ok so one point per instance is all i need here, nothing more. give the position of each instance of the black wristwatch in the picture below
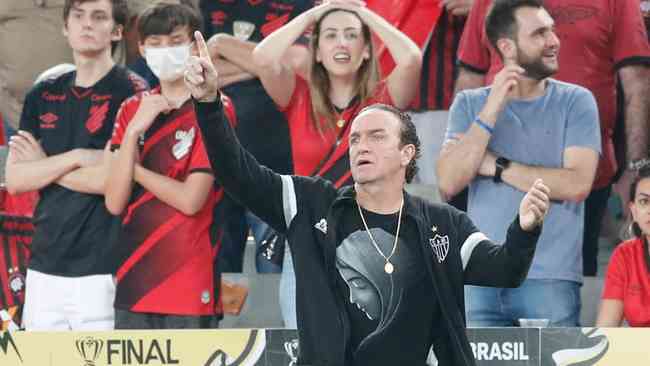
(501, 164)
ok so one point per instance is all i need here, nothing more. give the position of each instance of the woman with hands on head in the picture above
(343, 76)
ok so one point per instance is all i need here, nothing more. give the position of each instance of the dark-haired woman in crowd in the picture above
(627, 285)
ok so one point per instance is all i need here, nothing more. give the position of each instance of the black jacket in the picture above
(307, 209)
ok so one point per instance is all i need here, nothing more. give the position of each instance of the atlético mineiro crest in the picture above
(440, 246)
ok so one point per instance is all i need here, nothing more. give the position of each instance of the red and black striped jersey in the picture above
(166, 256)
(440, 67)
(15, 238)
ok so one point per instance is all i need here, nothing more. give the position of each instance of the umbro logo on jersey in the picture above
(48, 120)
(322, 226)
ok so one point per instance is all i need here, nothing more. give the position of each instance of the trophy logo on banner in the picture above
(89, 349)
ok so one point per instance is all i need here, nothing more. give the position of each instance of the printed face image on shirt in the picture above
(372, 290)
(362, 292)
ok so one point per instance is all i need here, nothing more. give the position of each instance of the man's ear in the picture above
(508, 48)
(408, 154)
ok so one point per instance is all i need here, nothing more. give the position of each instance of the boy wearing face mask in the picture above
(161, 183)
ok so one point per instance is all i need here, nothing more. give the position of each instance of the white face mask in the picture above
(167, 63)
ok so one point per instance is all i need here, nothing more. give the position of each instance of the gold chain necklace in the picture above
(388, 267)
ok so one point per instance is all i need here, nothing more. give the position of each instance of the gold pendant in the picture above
(340, 123)
(388, 268)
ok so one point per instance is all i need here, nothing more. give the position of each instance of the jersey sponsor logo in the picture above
(281, 6)
(440, 246)
(273, 23)
(53, 97)
(218, 18)
(570, 14)
(97, 116)
(185, 140)
(48, 120)
(100, 98)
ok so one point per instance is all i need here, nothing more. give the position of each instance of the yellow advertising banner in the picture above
(174, 347)
(248, 347)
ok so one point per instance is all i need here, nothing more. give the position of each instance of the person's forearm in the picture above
(171, 191)
(610, 313)
(459, 164)
(34, 175)
(636, 90)
(85, 180)
(509, 262)
(227, 68)
(229, 73)
(235, 51)
(119, 180)
(237, 63)
(268, 54)
(403, 50)
(565, 184)
(233, 79)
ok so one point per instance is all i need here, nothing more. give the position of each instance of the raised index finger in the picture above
(201, 45)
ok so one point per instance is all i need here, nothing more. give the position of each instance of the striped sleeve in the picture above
(486, 263)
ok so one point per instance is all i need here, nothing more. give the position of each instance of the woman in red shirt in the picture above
(627, 284)
(343, 77)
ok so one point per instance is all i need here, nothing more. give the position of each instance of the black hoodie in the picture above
(307, 210)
